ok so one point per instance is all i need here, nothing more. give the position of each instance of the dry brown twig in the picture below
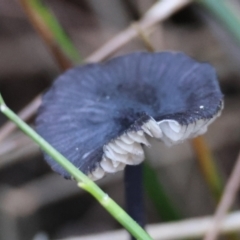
(24, 114)
(226, 202)
(184, 229)
(159, 12)
(46, 35)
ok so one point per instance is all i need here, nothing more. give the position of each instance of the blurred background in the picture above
(40, 39)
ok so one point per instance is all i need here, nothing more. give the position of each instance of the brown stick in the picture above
(26, 113)
(185, 229)
(226, 202)
(46, 34)
(157, 13)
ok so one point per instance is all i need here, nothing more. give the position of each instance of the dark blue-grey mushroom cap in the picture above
(100, 115)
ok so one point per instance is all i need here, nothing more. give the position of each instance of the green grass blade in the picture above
(49, 21)
(222, 10)
(1, 101)
(158, 195)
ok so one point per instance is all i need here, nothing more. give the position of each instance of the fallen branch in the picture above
(157, 13)
(192, 228)
(26, 113)
(226, 202)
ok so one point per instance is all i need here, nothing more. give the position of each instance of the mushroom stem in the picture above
(133, 181)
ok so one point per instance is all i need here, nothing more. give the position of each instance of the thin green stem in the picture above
(56, 29)
(158, 195)
(83, 181)
(51, 31)
(1, 100)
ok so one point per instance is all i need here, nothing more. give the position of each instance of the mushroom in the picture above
(100, 116)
